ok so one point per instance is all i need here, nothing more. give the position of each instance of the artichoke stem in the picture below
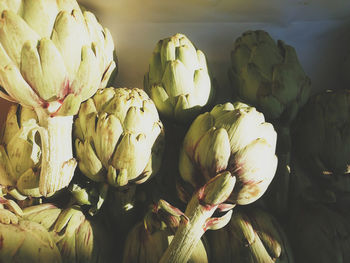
(57, 164)
(187, 235)
(198, 211)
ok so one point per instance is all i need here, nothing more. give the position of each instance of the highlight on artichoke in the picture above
(178, 80)
(252, 235)
(53, 56)
(318, 233)
(234, 138)
(119, 137)
(321, 140)
(78, 238)
(148, 240)
(268, 75)
(25, 241)
(20, 154)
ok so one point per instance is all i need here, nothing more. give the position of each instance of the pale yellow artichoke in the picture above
(78, 238)
(53, 56)
(119, 137)
(178, 80)
(20, 154)
(24, 241)
(233, 138)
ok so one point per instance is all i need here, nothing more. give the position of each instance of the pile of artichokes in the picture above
(94, 173)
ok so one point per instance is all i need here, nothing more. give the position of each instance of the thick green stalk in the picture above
(57, 164)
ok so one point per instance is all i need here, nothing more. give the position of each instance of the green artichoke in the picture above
(148, 240)
(53, 56)
(322, 140)
(268, 75)
(252, 236)
(78, 238)
(233, 138)
(178, 81)
(319, 235)
(119, 137)
(20, 154)
(23, 241)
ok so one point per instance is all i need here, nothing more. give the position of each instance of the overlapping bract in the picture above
(119, 137)
(20, 154)
(52, 55)
(322, 139)
(178, 81)
(78, 238)
(252, 236)
(25, 241)
(268, 75)
(232, 137)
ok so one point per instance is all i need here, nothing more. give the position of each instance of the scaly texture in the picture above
(78, 238)
(178, 80)
(234, 138)
(119, 137)
(53, 56)
(268, 75)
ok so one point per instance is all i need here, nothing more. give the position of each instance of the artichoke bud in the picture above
(27, 241)
(230, 138)
(268, 75)
(118, 137)
(252, 235)
(178, 79)
(78, 238)
(21, 154)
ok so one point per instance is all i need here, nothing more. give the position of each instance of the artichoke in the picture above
(53, 56)
(178, 81)
(322, 140)
(148, 240)
(25, 241)
(119, 137)
(252, 236)
(20, 154)
(268, 75)
(78, 238)
(233, 138)
(319, 234)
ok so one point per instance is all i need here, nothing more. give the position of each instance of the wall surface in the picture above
(318, 29)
